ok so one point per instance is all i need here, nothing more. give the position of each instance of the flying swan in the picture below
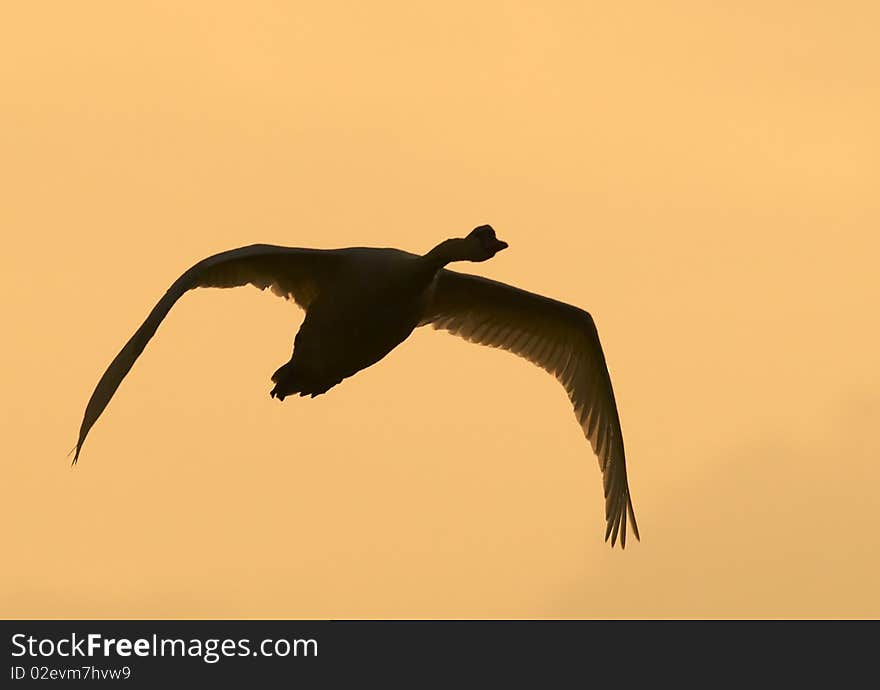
(362, 302)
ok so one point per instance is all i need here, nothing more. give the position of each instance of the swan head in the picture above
(483, 244)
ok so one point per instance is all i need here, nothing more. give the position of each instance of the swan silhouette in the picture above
(361, 302)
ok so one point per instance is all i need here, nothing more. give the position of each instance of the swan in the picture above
(362, 302)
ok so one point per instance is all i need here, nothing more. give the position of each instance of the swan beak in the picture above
(498, 245)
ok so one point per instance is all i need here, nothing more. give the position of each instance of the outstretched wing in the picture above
(562, 340)
(297, 274)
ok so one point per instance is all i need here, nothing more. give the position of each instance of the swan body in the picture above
(362, 302)
(355, 322)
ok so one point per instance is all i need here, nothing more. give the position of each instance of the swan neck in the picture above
(446, 252)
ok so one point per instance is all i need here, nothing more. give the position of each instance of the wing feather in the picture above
(560, 339)
(289, 272)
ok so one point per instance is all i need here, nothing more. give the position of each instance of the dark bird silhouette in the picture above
(362, 302)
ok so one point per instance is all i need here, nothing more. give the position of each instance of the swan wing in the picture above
(562, 340)
(297, 274)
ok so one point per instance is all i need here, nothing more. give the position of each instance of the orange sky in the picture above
(702, 180)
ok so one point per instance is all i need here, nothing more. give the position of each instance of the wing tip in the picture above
(616, 524)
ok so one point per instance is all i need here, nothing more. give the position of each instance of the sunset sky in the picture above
(701, 177)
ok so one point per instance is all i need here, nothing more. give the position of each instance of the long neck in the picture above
(445, 252)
